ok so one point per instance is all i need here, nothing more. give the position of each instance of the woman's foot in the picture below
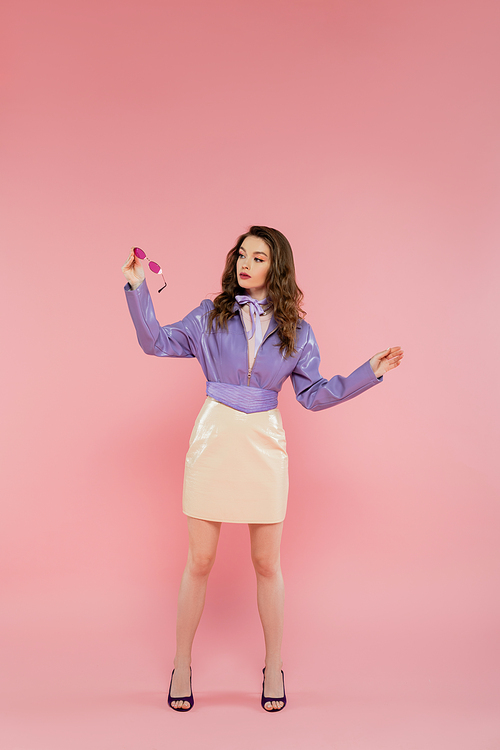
(274, 688)
(181, 686)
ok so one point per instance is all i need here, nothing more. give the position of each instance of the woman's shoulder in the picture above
(303, 328)
(197, 316)
(205, 306)
(304, 334)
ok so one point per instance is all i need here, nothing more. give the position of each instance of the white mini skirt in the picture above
(236, 466)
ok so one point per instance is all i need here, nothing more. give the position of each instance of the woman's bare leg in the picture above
(265, 543)
(203, 538)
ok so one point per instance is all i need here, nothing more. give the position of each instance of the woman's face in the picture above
(252, 267)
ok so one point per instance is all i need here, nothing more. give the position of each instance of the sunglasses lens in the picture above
(139, 253)
(154, 267)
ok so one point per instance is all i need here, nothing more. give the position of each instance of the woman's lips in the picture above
(244, 276)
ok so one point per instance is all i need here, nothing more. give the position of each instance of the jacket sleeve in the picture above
(176, 340)
(317, 393)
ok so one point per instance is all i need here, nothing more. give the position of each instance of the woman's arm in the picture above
(317, 393)
(176, 340)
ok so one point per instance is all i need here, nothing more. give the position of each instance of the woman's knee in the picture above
(266, 565)
(200, 564)
(203, 538)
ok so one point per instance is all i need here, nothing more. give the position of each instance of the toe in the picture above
(273, 705)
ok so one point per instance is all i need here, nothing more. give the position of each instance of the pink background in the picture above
(368, 133)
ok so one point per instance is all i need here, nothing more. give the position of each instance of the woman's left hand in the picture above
(385, 361)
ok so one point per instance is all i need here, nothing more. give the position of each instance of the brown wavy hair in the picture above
(283, 292)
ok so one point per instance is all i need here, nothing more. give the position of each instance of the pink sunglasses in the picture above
(153, 266)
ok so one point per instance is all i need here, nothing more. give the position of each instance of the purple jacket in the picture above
(223, 356)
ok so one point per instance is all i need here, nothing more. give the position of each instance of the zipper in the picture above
(249, 369)
(269, 333)
(258, 350)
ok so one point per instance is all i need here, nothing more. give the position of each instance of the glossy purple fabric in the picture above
(223, 355)
(243, 398)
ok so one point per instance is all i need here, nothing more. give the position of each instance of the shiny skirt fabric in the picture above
(236, 466)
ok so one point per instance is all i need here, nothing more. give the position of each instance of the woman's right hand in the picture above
(133, 270)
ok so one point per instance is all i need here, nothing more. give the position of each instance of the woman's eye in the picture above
(243, 257)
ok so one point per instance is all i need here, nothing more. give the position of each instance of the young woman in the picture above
(248, 341)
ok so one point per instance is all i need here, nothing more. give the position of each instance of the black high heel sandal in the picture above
(264, 700)
(188, 698)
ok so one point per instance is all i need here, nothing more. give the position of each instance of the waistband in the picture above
(243, 397)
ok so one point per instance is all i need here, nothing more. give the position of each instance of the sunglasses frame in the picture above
(149, 264)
